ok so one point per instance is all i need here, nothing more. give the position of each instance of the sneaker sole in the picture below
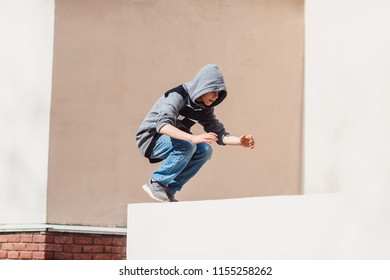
(149, 192)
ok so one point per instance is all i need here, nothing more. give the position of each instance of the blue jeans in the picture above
(182, 160)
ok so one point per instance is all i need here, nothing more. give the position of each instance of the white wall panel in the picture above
(347, 95)
(26, 54)
(321, 226)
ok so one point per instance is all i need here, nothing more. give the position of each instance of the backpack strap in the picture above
(179, 89)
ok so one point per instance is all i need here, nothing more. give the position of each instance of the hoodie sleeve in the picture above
(168, 110)
(211, 124)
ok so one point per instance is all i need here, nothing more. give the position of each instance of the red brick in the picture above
(39, 255)
(59, 239)
(4, 238)
(118, 250)
(3, 255)
(119, 241)
(39, 239)
(101, 257)
(14, 238)
(68, 248)
(63, 246)
(49, 255)
(53, 247)
(108, 249)
(102, 240)
(19, 246)
(43, 255)
(83, 240)
(77, 248)
(82, 256)
(93, 249)
(49, 238)
(73, 248)
(63, 256)
(13, 255)
(26, 238)
(32, 247)
(7, 247)
(118, 257)
(63, 239)
(69, 240)
(26, 255)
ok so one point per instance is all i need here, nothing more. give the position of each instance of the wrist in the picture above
(231, 140)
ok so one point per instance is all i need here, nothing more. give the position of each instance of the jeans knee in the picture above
(188, 147)
(205, 150)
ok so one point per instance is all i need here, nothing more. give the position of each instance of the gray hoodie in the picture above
(179, 108)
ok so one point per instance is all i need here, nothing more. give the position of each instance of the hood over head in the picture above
(208, 79)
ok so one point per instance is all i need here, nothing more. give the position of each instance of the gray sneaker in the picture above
(156, 191)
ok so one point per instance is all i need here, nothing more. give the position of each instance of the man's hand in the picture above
(247, 141)
(204, 138)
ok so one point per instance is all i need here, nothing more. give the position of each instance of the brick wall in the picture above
(54, 245)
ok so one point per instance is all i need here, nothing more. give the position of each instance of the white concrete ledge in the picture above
(61, 228)
(329, 226)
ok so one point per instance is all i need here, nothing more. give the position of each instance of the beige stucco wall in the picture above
(113, 59)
